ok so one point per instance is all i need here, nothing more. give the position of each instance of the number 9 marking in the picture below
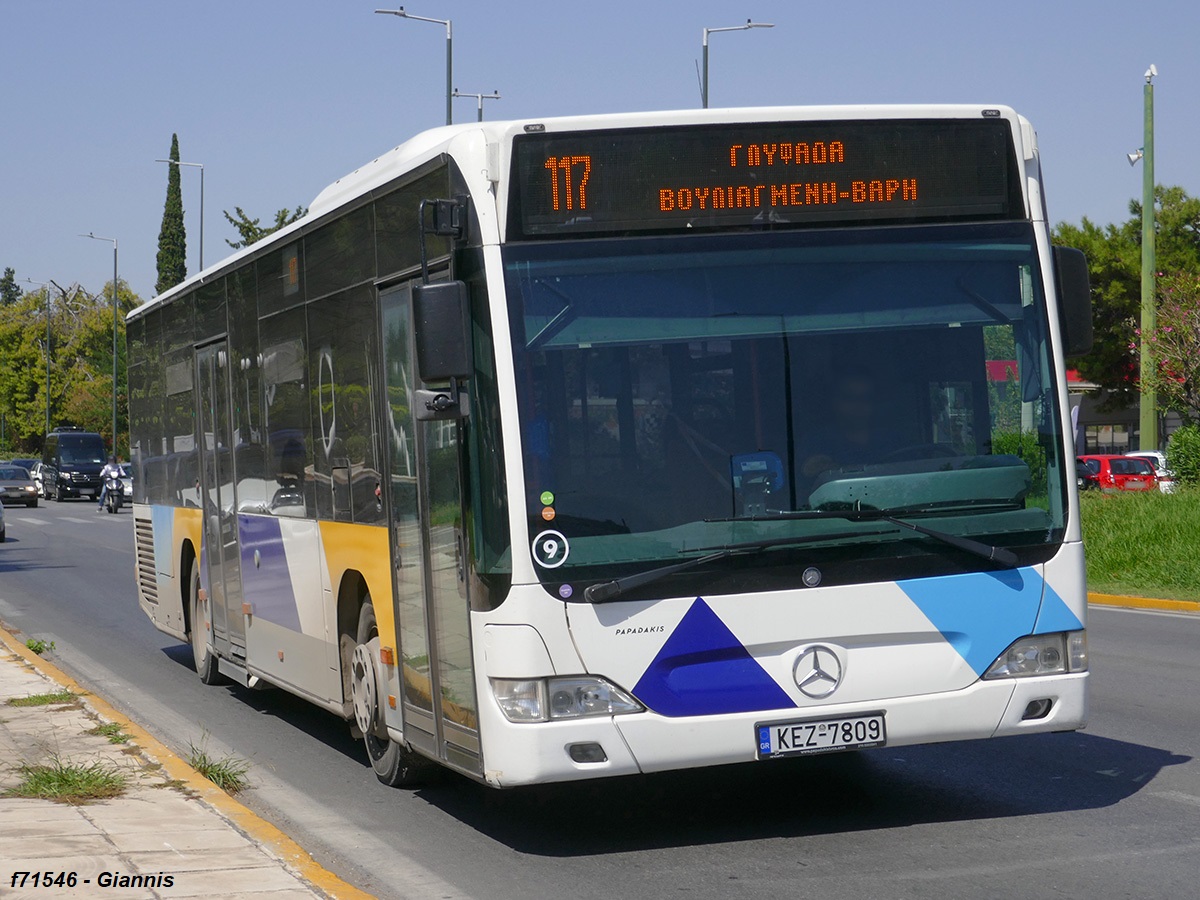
(550, 549)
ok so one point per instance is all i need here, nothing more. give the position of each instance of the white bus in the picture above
(569, 448)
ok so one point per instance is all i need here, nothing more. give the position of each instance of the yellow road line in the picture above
(252, 824)
(1143, 602)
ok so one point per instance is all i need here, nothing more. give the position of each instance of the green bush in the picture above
(1183, 454)
(1025, 445)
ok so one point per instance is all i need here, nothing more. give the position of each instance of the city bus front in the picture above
(795, 460)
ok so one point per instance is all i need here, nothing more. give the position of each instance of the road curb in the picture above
(176, 767)
(1143, 603)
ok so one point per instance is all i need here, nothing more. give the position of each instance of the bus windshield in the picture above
(683, 394)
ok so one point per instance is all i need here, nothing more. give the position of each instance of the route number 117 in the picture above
(568, 181)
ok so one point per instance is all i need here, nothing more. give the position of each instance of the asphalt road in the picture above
(1110, 812)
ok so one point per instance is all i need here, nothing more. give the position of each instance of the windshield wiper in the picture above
(989, 552)
(606, 591)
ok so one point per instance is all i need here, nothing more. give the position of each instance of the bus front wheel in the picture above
(394, 764)
(205, 659)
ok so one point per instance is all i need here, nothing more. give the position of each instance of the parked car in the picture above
(36, 474)
(16, 486)
(71, 463)
(1158, 459)
(1121, 473)
(1085, 478)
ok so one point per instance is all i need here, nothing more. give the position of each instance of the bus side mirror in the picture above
(1074, 300)
(441, 331)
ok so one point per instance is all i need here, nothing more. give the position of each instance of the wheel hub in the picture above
(364, 689)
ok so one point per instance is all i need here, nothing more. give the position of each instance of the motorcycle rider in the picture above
(112, 470)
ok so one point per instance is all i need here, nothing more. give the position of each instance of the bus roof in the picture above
(429, 144)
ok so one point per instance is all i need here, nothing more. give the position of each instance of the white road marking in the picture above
(1178, 797)
(1092, 609)
(76, 520)
(25, 521)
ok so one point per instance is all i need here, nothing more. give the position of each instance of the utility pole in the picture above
(479, 98)
(1148, 416)
(704, 52)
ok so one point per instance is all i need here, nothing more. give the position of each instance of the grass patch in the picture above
(68, 783)
(1143, 544)
(112, 731)
(63, 696)
(38, 646)
(228, 773)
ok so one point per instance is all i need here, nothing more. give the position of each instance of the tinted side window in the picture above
(254, 491)
(396, 227)
(280, 279)
(286, 415)
(342, 339)
(340, 254)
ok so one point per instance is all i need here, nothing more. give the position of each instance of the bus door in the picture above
(432, 613)
(218, 500)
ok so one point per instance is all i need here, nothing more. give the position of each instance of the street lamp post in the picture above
(96, 237)
(449, 52)
(707, 31)
(46, 286)
(494, 95)
(199, 166)
(1148, 408)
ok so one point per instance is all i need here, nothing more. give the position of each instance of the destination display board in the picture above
(665, 179)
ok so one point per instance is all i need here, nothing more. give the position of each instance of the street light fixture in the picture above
(1148, 407)
(707, 31)
(449, 52)
(494, 95)
(46, 286)
(96, 237)
(200, 166)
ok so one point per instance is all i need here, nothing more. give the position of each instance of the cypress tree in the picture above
(172, 239)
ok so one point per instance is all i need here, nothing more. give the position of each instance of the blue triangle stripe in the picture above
(980, 613)
(1055, 615)
(703, 669)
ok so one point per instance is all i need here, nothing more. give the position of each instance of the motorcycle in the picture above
(115, 496)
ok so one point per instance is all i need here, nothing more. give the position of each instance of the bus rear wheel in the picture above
(205, 659)
(394, 765)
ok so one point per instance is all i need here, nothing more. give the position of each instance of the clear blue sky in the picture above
(279, 98)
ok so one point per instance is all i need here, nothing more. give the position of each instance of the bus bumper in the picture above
(648, 742)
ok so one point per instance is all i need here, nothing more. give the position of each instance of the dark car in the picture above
(25, 462)
(16, 485)
(71, 463)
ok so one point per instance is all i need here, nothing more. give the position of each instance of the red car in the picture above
(1121, 473)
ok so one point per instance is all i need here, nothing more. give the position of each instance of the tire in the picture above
(59, 496)
(205, 660)
(3, 535)
(393, 764)
(32, 504)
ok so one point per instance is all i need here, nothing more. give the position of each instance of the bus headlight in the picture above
(1042, 654)
(541, 700)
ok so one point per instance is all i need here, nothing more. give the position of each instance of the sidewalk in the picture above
(170, 834)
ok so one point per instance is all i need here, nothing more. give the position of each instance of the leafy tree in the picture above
(1175, 345)
(10, 291)
(80, 363)
(1183, 454)
(1114, 254)
(251, 231)
(172, 238)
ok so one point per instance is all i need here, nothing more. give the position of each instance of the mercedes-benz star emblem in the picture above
(818, 671)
